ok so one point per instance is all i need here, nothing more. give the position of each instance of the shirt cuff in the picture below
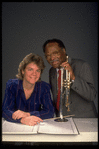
(35, 113)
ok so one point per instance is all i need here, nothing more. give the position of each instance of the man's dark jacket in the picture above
(82, 92)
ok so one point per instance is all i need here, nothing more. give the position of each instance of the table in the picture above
(88, 129)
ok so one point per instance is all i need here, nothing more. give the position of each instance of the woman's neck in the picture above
(28, 86)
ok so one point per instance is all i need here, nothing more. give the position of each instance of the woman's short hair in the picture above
(28, 59)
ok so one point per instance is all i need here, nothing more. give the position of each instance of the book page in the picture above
(47, 126)
(18, 128)
(53, 127)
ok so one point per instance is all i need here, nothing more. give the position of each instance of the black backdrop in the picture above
(27, 25)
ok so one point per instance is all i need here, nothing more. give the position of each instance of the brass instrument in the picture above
(66, 84)
(65, 91)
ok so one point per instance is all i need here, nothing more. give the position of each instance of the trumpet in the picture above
(65, 91)
(66, 85)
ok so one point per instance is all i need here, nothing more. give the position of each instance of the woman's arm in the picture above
(8, 107)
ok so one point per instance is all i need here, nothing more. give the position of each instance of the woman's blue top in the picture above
(39, 103)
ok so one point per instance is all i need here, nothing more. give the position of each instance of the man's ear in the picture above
(64, 50)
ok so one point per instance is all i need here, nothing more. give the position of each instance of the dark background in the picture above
(27, 25)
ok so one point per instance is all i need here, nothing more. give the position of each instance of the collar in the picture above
(57, 69)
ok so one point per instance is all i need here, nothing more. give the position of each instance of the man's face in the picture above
(54, 54)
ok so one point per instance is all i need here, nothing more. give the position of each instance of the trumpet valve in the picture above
(66, 84)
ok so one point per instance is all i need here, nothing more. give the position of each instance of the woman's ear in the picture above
(22, 72)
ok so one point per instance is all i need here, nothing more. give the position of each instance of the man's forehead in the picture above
(52, 47)
(52, 44)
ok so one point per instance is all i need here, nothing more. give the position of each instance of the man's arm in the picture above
(84, 83)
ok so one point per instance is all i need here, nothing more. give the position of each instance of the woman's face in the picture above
(31, 73)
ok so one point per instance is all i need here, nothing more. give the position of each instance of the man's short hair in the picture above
(60, 43)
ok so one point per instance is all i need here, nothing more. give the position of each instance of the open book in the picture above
(47, 127)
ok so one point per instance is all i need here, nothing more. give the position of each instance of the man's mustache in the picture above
(54, 60)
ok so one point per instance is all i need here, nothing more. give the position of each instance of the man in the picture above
(82, 90)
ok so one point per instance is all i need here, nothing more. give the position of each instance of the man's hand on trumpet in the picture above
(68, 67)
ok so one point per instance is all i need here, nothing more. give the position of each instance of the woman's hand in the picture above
(31, 120)
(19, 114)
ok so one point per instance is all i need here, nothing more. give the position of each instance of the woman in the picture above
(27, 99)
